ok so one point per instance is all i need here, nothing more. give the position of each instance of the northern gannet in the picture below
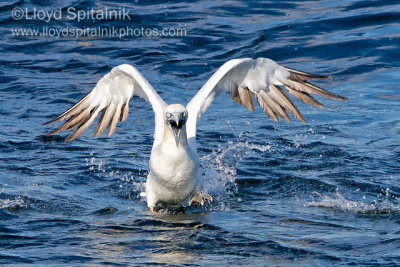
(174, 174)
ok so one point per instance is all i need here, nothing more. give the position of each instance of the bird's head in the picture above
(175, 117)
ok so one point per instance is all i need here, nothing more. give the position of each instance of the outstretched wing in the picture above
(111, 95)
(262, 78)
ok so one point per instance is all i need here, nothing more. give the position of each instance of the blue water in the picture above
(287, 194)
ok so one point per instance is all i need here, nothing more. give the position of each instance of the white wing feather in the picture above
(262, 78)
(112, 94)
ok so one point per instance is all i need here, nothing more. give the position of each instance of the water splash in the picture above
(224, 160)
(95, 163)
(16, 203)
(133, 186)
(382, 205)
(219, 169)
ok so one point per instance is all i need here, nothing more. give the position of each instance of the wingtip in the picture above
(49, 122)
(301, 75)
(323, 76)
(338, 97)
(320, 76)
(275, 119)
(52, 132)
(287, 119)
(300, 117)
(70, 138)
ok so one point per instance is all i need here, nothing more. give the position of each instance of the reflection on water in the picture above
(161, 239)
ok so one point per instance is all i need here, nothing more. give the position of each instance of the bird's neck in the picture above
(169, 139)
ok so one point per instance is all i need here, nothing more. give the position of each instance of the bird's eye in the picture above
(183, 114)
(169, 115)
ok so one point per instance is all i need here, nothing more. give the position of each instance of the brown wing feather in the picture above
(247, 99)
(84, 126)
(304, 97)
(73, 121)
(71, 111)
(297, 75)
(114, 121)
(277, 108)
(286, 102)
(267, 109)
(235, 94)
(105, 119)
(310, 88)
(124, 111)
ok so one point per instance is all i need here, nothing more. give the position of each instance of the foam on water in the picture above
(382, 205)
(7, 203)
(18, 202)
(219, 169)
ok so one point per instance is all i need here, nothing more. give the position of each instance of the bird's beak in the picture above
(177, 136)
(175, 123)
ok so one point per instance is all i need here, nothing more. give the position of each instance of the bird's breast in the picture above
(174, 166)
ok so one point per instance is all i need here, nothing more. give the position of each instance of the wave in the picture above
(339, 202)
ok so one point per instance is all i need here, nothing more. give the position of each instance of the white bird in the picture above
(174, 164)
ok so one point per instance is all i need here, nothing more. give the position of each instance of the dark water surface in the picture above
(289, 194)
